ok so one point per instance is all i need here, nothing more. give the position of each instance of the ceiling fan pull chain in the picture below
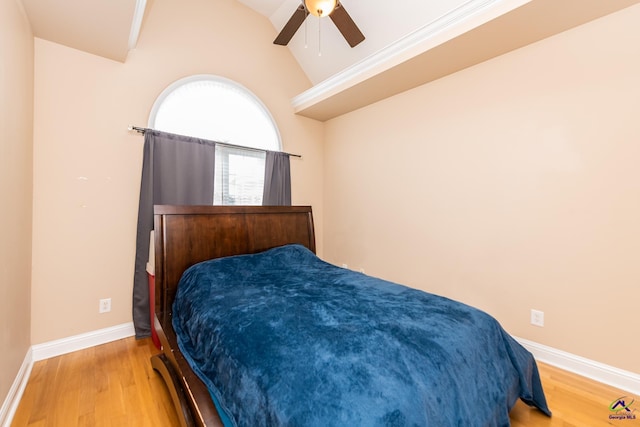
(306, 39)
(319, 37)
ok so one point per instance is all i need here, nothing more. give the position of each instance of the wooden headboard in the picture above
(186, 235)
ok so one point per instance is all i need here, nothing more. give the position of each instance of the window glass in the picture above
(239, 177)
(219, 109)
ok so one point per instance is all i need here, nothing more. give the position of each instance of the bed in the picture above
(262, 332)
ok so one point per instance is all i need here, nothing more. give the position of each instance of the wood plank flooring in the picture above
(114, 385)
(108, 385)
(575, 402)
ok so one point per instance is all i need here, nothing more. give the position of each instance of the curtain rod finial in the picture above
(136, 128)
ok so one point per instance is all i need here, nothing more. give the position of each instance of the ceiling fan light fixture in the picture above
(320, 8)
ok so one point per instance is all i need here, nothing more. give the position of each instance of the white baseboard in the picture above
(53, 349)
(82, 341)
(618, 378)
(10, 405)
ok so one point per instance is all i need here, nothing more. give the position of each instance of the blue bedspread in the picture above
(282, 338)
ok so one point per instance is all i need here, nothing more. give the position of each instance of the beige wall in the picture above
(511, 185)
(87, 166)
(514, 185)
(16, 142)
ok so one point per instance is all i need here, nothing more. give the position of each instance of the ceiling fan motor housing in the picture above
(320, 8)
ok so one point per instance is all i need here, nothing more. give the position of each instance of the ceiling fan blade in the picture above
(347, 27)
(291, 26)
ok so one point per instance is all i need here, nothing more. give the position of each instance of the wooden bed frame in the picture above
(186, 235)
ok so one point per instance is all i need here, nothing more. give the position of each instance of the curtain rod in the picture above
(224, 144)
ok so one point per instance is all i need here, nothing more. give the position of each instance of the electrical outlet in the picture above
(537, 318)
(105, 305)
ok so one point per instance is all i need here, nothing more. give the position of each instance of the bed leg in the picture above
(162, 365)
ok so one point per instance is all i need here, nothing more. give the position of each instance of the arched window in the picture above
(219, 109)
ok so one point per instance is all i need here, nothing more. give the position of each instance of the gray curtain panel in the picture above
(277, 179)
(176, 170)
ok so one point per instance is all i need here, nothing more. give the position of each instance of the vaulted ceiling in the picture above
(382, 23)
(408, 42)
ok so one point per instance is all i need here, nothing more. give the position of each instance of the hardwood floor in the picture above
(109, 385)
(114, 385)
(574, 401)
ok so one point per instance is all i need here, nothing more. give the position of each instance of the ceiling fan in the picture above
(321, 8)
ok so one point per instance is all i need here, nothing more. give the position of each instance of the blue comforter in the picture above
(282, 338)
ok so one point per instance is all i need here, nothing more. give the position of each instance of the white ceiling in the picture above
(382, 22)
(408, 42)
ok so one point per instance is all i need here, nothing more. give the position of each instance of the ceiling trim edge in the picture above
(458, 21)
(136, 23)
